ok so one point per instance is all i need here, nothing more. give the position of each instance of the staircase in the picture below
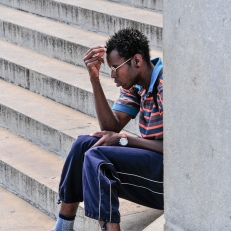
(46, 100)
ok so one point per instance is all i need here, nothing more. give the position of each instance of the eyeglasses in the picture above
(115, 68)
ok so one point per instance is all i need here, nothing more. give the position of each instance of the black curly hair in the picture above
(129, 42)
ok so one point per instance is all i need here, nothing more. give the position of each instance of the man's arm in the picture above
(108, 120)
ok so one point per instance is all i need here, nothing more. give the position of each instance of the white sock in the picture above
(64, 225)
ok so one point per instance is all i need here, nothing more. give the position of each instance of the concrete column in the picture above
(197, 95)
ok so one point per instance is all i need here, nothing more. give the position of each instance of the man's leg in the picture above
(112, 172)
(70, 187)
(66, 217)
(69, 209)
(110, 226)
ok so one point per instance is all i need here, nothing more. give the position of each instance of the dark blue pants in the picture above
(102, 174)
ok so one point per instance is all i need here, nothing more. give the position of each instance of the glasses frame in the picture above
(115, 68)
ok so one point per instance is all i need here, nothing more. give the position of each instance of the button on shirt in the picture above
(138, 99)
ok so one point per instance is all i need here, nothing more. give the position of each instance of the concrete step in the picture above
(16, 214)
(100, 16)
(33, 174)
(50, 38)
(56, 80)
(59, 81)
(156, 5)
(44, 122)
(157, 225)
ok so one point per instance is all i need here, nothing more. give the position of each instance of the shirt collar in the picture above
(158, 65)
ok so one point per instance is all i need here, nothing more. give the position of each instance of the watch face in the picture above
(123, 141)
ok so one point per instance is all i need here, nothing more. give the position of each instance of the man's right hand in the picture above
(93, 60)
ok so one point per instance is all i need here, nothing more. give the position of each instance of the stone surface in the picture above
(44, 122)
(13, 211)
(53, 39)
(33, 174)
(25, 167)
(139, 221)
(100, 16)
(48, 37)
(154, 5)
(157, 225)
(197, 55)
(56, 80)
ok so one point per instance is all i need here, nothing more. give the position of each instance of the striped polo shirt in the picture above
(138, 99)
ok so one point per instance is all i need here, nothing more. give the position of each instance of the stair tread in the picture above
(30, 159)
(70, 74)
(47, 112)
(16, 214)
(55, 76)
(57, 116)
(157, 225)
(50, 27)
(54, 68)
(57, 29)
(119, 10)
(43, 166)
(156, 5)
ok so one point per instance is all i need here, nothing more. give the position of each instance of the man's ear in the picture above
(138, 59)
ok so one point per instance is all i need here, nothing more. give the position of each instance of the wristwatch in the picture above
(123, 140)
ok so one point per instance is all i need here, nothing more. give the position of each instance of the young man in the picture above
(106, 165)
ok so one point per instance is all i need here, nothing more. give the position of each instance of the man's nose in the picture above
(113, 74)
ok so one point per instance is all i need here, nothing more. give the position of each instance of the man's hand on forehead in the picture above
(97, 51)
(100, 54)
(93, 60)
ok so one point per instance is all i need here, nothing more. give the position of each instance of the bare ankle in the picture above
(69, 209)
(110, 226)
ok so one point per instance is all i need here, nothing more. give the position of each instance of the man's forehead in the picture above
(113, 56)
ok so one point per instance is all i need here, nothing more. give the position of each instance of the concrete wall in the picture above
(197, 94)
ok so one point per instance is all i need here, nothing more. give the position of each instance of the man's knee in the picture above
(93, 153)
(82, 144)
(94, 158)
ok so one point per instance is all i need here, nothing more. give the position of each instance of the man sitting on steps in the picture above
(106, 165)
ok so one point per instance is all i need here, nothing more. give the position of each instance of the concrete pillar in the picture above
(197, 95)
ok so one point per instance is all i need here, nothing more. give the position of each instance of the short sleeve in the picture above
(128, 102)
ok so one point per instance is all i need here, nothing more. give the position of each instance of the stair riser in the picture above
(27, 188)
(38, 133)
(87, 19)
(49, 87)
(154, 5)
(46, 44)
(39, 195)
(61, 92)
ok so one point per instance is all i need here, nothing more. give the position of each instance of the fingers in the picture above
(93, 48)
(101, 133)
(101, 140)
(92, 64)
(98, 143)
(93, 61)
(95, 52)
